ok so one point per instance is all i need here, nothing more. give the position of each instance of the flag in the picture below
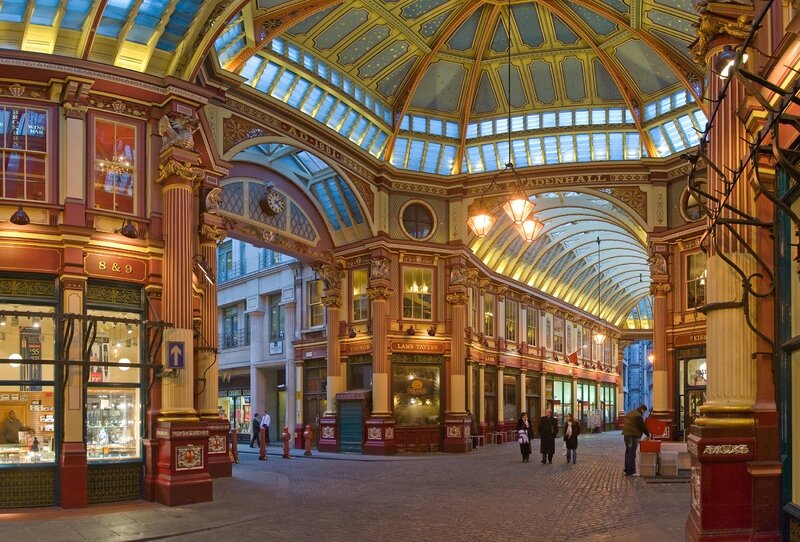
(573, 358)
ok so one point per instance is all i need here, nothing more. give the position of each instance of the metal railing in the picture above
(233, 340)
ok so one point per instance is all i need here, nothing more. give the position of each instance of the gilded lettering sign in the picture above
(427, 348)
(102, 264)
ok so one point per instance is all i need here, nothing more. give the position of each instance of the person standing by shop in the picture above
(11, 428)
(524, 436)
(571, 431)
(255, 425)
(632, 431)
(265, 421)
(548, 429)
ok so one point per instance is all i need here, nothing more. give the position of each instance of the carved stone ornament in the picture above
(332, 301)
(177, 130)
(379, 268)
(660, 288)
(331, 276)
(658, 265)
(213, 232)
(74, 110)
(173, 168)
(214, 201)
(712, 26)
(379, 292)
(16, 90)
(457, 299)
(458, 275)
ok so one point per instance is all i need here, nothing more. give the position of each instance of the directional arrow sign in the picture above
(175, 350)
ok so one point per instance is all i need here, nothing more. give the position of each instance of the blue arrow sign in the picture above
(175, 350)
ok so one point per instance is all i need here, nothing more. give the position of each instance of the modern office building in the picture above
(485, 203)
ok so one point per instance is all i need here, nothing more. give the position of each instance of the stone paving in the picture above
(485, 495)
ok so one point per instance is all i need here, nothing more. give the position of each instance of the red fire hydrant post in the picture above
(285, 438)
(262, 452)
(308, 436)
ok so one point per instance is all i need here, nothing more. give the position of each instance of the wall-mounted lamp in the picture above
(129, 328)
(726, 61)
(203, 267)
(432, 331)
(3, 320)
(14, 356)
(651, 358)
(20, 217)
(37, 322)
(123, 364)
(411, 331)
(352, 333)
(129, 230)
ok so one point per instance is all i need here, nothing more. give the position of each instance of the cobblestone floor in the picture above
(485, 495)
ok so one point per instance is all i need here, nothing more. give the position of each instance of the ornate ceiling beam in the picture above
(682, 68)
(631, 98)
(89, 30)
(124, 57)
(587, 286)
(406, 93)
(472, 84)
(273, 23)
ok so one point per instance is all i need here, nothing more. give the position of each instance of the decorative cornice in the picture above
(457, 299)
(120, 107)
(173, 168)
(419, 188)
(379, 292)
(660, 288)
(74, 110)
(213, 233)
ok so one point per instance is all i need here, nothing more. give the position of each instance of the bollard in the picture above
(234, 451)
(308, 435)
(262, 452)
(285, 437)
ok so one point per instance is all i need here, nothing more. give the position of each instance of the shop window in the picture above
(359, 373)
(510, 397)
(115, 166)
(512, 310)
(695, 280)
(23, 153)
(488, 314)
(27, 405)
(531, 315)
(113, 401)
(416, 394)
(360, 299)
(417, 293)
(316, 310)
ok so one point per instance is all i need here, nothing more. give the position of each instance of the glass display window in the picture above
(416, 391)
(510, 397)
(115, 166)
(27, 335)
(116, 345)
(113, 426)
(23, 153)
(27, 425)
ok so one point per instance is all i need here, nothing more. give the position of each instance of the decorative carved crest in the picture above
(177, 130)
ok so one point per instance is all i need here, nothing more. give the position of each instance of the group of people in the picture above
(547, 428)
(548, 431)
(257, 423)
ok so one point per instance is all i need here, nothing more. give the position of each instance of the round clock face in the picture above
(272, 203)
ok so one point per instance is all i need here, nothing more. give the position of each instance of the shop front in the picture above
(588, 414)
(608, 405)
(558, 397)
(233, 403)
(691, 386)
(417, 399)
(533, 396)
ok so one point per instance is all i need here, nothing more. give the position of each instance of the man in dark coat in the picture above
(632, 430)
(548, 429)
(255, 428)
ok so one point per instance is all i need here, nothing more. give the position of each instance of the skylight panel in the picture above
(322, 69)
(616, 146)
(309, 62)
(358, 131)
(665, 105)
(405, 123)
(489, 157)
(565, 118)
(629, 117)
(44, 12)
(583, 147)
(372, 131)
(349, 122)
(520, 154)
(567, 145)
(633, 146)
(448, 160)
(358, 94)
(379, 143)
(551, 149)
(268, 77)
(298, 93)
(311, 162)
(337, 116)
(598, 116)
(431, 157)
(436, 127)
(451, 129)
(615, 115)
(533, 121)
(688, 130)
(549, 120)
(418, 124)
(650, 111)
(313, 99)
(472, 130)
(501, 126)
(279, 46)
(347, 85)
(74, 15)
(502, 152)
(486, 128)
(582, 117)
(474, 157)
(535, 151)
(415, 154)
(662, 147)
(675, 139)
(251, 67)
(517, 123)
(680, 99)
(700, 119)
(284, 83)
(325, 109)
(599, 148)
(293, 53)
(399, 153)
(114, 16)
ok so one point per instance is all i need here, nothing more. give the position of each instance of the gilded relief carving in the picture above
(185, 171)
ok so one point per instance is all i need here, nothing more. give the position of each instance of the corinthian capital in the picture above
(332, 301)
(379, 292)
(212, 232)
(173, 168)
(456, 299)
(662, 288)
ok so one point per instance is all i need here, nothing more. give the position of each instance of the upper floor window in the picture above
(225, 261)
(417, 293)
(512, 308)
(417, 221)
(230, 327)
(531, 315)
(360, 299)
(23, 153)
(276, 319)
(316, 310)
(558, 335)
(488, 314)
(114, 166)
(695, 280)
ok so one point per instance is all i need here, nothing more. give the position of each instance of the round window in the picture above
(417, 221)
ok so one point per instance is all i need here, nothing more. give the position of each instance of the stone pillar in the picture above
(455, 420)
(183, 475)
(575, 399)
(660, 288)
(542, 395)
(523, 391)
(736, 437)
(481, 399)
(219, 461)
(380, 425)
(332, 299)
(293, 383)
(74, 491)
(501, 416)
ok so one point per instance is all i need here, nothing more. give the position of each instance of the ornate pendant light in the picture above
(518, 208)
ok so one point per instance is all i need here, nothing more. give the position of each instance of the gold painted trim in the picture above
(724, 422)
(708, 408)
(178, 419)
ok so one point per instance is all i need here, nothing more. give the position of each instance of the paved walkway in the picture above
(485, 495)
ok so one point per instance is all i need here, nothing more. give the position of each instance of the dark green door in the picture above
(351, 427)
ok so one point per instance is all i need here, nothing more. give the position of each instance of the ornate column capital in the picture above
(184, 171)
(379, 268)
(660, 288)
(212, 233)
(332, 301)
(379, 292)
(75, 110)
(733, 23)
(457, 298)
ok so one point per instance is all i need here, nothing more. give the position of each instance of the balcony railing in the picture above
(233, 340)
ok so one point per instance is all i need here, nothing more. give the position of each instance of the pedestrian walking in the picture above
(632, 431)
(524, 436)
(571, 431)
(265, 422)
(255, 424)
(473, 429)
(548, 429)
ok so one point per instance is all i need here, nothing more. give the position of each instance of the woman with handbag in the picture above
(571, 431)
(524, 436)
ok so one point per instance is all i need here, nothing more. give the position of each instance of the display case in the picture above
(112, 424)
